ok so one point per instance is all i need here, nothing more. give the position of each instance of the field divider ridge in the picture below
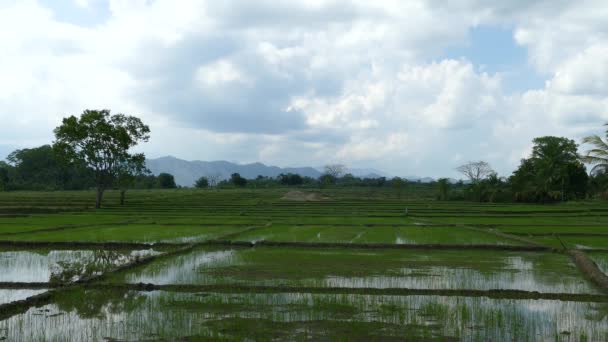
(231, 288)
(320, 245)
(589, 268)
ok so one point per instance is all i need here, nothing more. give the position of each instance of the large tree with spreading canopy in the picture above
(102, 141)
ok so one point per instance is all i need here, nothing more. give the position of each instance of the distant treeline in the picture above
(552, 173)
(517, 188)
(40, 169)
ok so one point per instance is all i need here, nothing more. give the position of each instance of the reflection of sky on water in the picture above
(31, 266)
(424, 271)
(181, 269)
(136, 316)
(10, 295)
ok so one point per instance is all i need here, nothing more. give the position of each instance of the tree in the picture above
(202, 183)
(475, 171)
(166, 181)
(101, 142)
(331, 174)
(398, 183)
(4, 178)
(551, 156)
(214, 179)
(443, 189)
(598, 155)
(290, 179)
(335, 170)
(551, 173)
(36, 168)
(237, 180)
(127, 174)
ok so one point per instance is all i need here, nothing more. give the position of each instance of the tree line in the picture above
(94, 151)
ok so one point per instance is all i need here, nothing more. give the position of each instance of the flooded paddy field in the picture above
(132, 315)
(300, 267)
(238, 264)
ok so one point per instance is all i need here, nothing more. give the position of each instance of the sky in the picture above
(413, 87)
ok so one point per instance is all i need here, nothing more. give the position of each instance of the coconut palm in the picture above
(597, 156)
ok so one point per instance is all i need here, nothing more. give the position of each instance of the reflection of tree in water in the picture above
(93, 264)
(99, 302)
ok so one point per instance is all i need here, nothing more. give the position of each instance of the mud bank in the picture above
(589, 269)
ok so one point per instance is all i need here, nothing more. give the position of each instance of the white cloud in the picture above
(218, 73)
(303, 82)
(584, 74)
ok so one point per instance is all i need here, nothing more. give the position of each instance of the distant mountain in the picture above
(361, 172)
(187, 172)
(368, 173)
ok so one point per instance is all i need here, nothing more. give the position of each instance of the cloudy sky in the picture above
(412, 87)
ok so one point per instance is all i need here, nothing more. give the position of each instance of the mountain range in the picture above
(187, 172)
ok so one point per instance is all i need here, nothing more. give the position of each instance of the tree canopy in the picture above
(237, 180)
(202, 183)
(598, 155)
(476, 171)
(102, 142)
(552, 172)
(166, 181)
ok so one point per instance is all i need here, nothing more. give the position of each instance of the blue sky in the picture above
(494, 49)
(94, 13)
(410, 88)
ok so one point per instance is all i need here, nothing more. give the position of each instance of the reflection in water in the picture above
(157, 315)
(7, 296)
(62, 265)
(601, 260)
(519, 274)
(543, 272)
(403, 241)
(179, 270)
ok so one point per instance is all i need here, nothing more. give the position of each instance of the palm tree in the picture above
(597, 156)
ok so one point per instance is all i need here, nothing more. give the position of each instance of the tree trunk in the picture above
(122, 196)
(99, 197)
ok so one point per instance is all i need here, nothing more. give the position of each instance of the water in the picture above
(135, 316)
(543, 272)
(62, 265)
(10, 295)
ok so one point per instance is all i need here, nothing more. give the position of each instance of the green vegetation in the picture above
(101, 142)
(93, 151)
(130, 315)
(202, 183)
(451, 269)
(340, 258)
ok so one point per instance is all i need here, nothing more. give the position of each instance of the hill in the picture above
(187, 172)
